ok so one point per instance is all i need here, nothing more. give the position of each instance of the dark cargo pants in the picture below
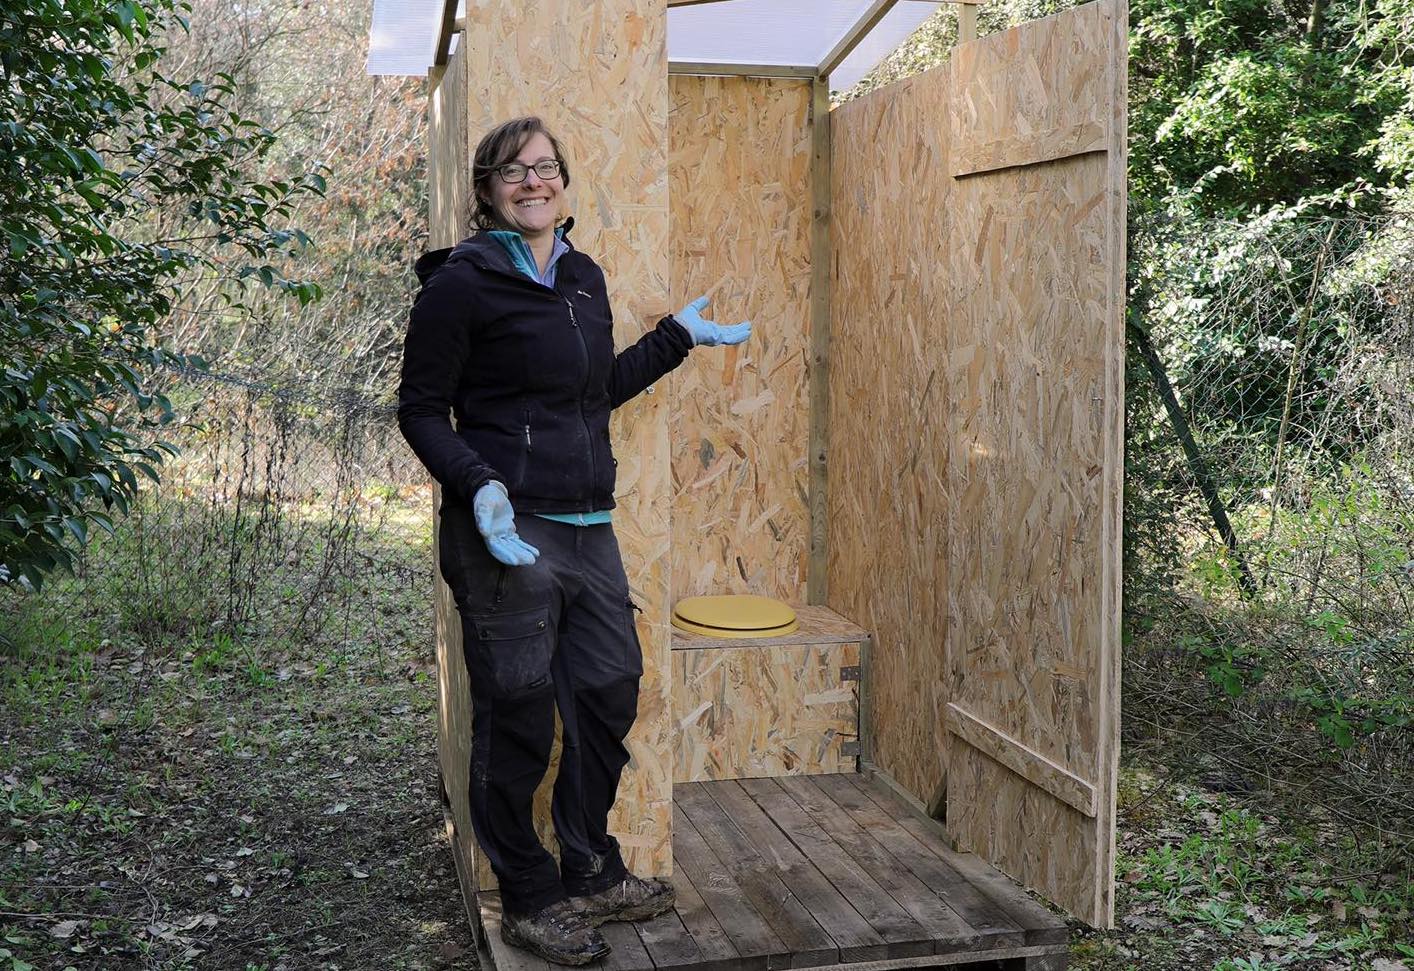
(556, 634)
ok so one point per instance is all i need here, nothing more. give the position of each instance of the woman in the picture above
(513, 331)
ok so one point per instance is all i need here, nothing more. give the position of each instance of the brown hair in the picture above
(497, 147)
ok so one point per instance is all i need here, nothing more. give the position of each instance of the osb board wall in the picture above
(739, 169)
(887, 509)
(765, 711)
(1000, 372)
(447, 178)
(597, 74)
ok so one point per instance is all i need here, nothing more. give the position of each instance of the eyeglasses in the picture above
(514, 172)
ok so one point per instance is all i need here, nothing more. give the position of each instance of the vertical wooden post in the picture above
(966, 22)
(820, 281)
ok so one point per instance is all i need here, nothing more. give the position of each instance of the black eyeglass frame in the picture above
(551, 163)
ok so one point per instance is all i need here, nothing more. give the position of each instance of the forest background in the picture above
(217, 731)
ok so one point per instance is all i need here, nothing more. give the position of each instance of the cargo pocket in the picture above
(633, 650)
(513, 650)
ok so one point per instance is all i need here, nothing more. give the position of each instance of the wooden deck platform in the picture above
(813, 871)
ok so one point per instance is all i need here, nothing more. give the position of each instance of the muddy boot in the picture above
(557, 933)
(629, 899)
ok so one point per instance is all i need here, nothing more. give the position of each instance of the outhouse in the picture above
(920, 448)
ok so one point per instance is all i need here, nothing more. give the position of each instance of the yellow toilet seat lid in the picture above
(737, 615)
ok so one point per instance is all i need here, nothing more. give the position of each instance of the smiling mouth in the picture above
(527, 203)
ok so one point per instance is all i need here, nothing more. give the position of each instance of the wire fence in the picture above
(1270, 504)
(290, 515)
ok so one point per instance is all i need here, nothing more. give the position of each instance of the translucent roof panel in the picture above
(889, 33)
(779, 32)
(403, 37)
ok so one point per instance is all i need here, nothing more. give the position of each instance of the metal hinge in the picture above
(849, 672)
(850, 748)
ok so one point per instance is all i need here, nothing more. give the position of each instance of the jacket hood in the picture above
(432, 261)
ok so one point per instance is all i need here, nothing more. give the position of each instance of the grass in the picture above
(185, 795)
(1206, 880)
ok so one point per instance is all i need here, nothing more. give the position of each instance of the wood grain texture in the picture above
(740, 168)
(448, 185)
(976, 415)
(597, 74)
(1032, 94)
(1033, 382)
(1032, 766)
(754, 712)
(888, 516)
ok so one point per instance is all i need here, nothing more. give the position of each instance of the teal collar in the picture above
(515, 245)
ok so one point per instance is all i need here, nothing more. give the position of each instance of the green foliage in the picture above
(121, 185)
(1244, 106)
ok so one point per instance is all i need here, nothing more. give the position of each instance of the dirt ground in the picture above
(223, 806)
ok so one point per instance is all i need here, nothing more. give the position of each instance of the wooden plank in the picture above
(905, 937)
(868, 19)
(671, 945)
(628, 952)
(1026, 762)
(756, 943)
(503, 956)
(444, 34)
(976, 908)
(714, 946)
(820, 286)
(1041, 926)
(756, 879)
(1001, 957)
(723, 69)
(1033, 148)
(948, 931)
(855, 937)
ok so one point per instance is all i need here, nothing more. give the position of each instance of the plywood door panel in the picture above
(976, 450)
(597, 74)
(740, 173)
(1033, 387)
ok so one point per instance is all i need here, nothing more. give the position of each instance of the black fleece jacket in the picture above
(528, 371)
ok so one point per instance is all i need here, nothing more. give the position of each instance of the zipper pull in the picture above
(527, 438)
(573, 321)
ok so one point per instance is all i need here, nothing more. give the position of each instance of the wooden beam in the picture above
(713, 69)
(966, 22)
(820, 282)
(855, 34)
(1025, 761)
(444, 35)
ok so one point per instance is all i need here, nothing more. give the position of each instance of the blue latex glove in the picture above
(706, 332)
(496, 521)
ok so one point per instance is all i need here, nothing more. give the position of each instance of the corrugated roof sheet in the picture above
(799, 33)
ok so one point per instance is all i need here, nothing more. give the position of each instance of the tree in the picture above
(121, 184)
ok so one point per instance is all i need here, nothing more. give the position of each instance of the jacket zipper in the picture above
(588, 437)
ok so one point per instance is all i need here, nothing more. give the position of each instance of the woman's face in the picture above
(530, 207)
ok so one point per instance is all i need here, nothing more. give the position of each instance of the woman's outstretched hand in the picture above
(496, 521)
(705, 331)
